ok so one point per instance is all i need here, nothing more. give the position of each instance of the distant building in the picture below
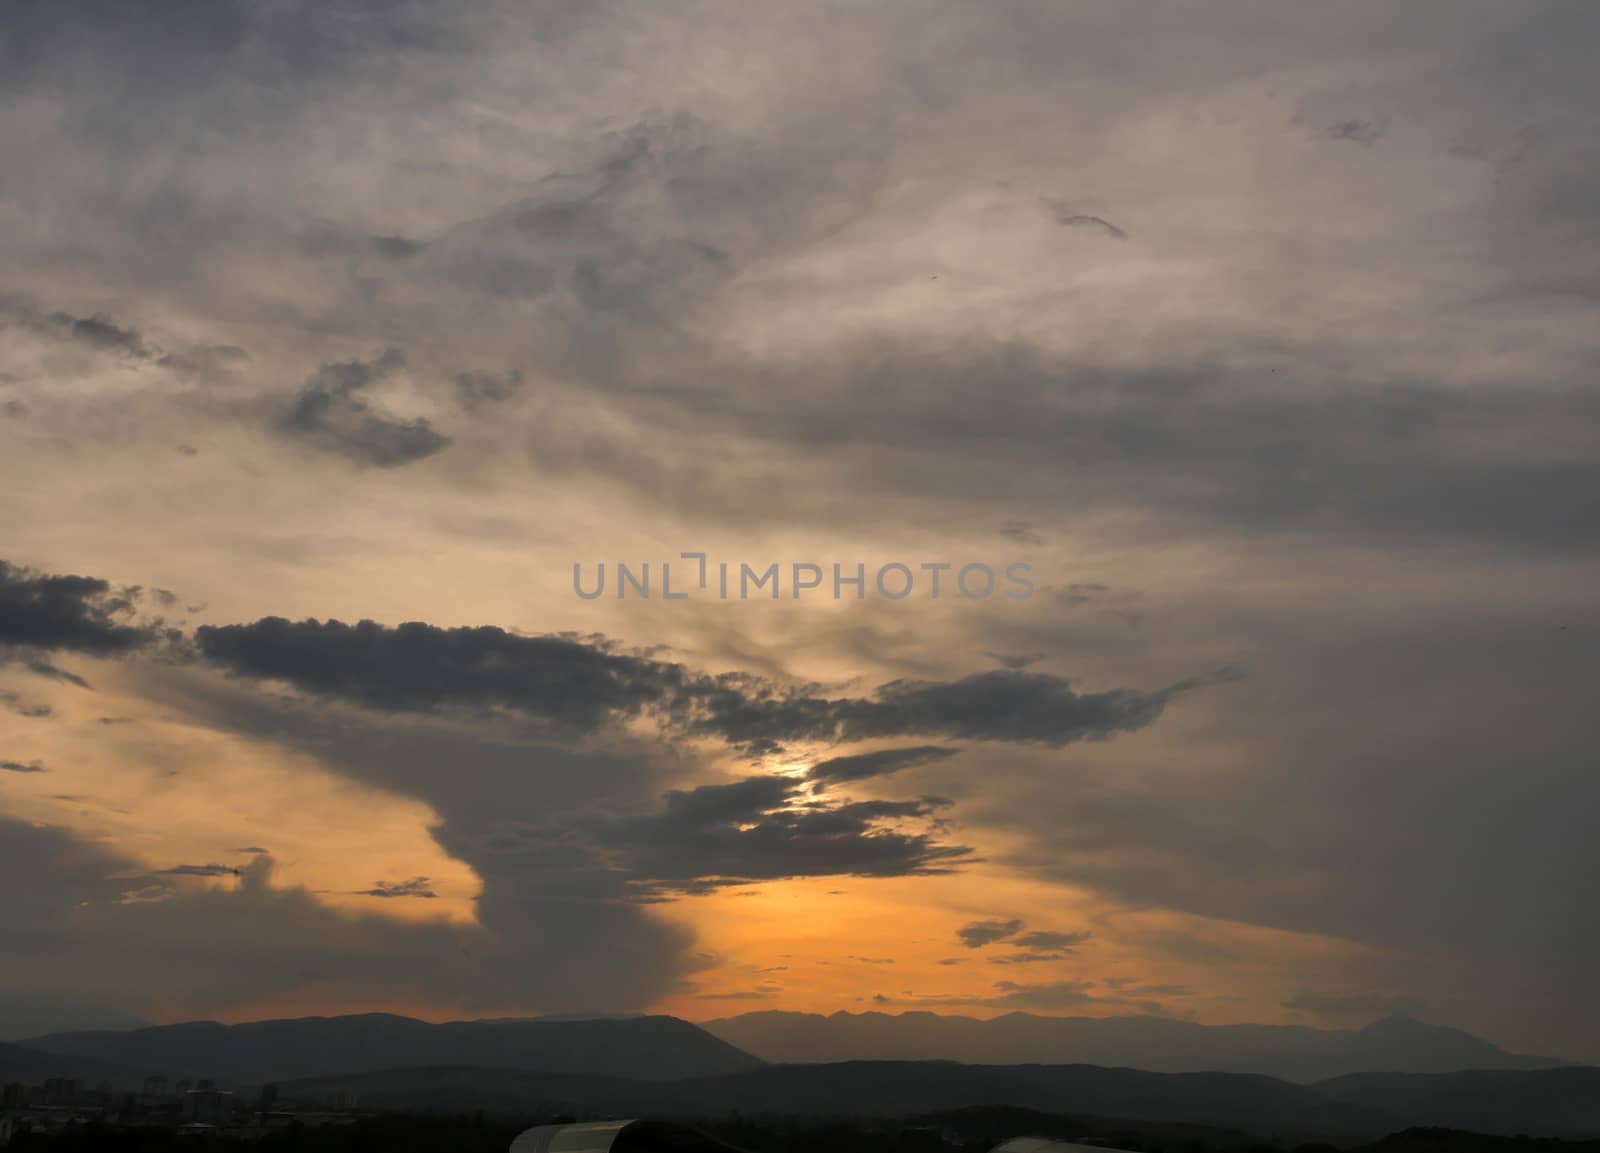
(156, 1086)
(207, 1107)
(60, 1090)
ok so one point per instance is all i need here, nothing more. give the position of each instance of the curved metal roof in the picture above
(618, 1137)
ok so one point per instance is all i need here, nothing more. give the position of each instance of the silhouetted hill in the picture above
(19, 1063)
(1554, 1102)
(643, 1048)
(1160, 1044)
(860, 1089)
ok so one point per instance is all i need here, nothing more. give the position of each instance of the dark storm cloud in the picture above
(418, 666)
(763, 828)
(20, 767)
(68, 614)
(882, 762)
(1002, 705)
(331, 414)
(584, 684)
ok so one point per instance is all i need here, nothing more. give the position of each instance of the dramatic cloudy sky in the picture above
(333, 334)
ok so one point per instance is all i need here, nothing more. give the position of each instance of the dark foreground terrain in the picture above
(961, 1131)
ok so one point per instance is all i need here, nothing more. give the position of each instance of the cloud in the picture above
(83, 925)
(1020, 531)
(977, 934)
(475, 389)
(20, 767)
(199, 871)
(1357, 131)
(1069, 219)
(417, 666)
(395, 247)
(1030, 947)
(583, 684)
(67, 613)
(15, 704)
(416, 887)
(331, 413)
(1041, 939)
(1047, 996)
(99, 332)
(763, 828)
(882, 762)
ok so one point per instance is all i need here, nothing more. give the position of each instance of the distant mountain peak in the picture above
(1398, 1043)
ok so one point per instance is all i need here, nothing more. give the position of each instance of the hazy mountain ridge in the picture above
(20, 1063)
(1159, 1044)
(645, 1048)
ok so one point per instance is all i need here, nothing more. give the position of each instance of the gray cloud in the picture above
(213, 947)
(199, 871)
(1069, 219)
(21, 767)
(881, 762)
(331, 414)
(474, 389)
(417, 887)
(977, 934)
(585, 683)
(98, 332)
(762, 828)
(1356, 131)
(67, 613)
(14, 703)
(1050, 941)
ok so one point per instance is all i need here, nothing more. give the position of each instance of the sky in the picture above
(1259, 338)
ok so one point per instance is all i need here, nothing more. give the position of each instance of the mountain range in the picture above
(646, 1048)
(1331, 1084)
(1159, 1044)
